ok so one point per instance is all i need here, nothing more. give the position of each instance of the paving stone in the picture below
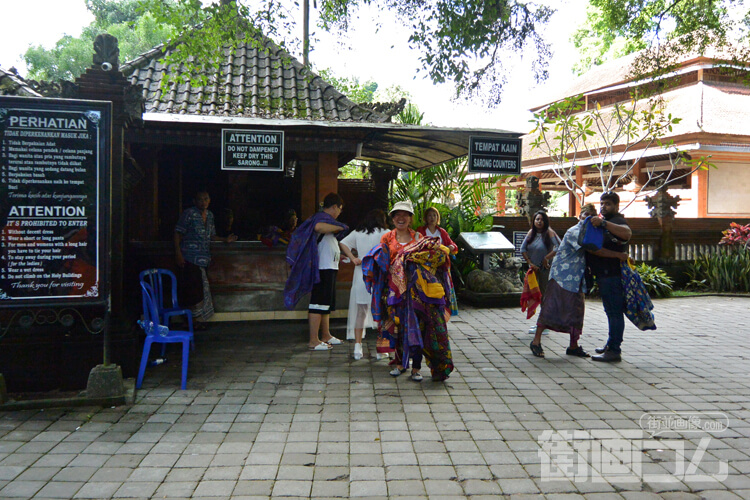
(368, 488)
(207, 488)
(258, 423)
(21, 489)
(98, 490)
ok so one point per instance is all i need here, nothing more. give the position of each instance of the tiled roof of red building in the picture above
(265, 83)
(705, 107)
(619, 72)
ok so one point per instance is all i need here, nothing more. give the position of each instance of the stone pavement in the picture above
(264, 417)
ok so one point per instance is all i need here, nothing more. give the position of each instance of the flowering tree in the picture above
(610, 140)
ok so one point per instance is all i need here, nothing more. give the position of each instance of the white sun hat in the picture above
(405, 206)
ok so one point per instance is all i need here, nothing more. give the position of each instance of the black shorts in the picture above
(323, 296)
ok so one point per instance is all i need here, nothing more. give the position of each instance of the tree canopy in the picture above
(615, 28)
(465, 41)
(137, 32)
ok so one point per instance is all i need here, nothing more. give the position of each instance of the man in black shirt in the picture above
(607, 272)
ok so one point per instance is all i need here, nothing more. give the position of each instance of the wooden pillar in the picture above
(328, 178)
(574, 205)
(309, 191)
(639, 171)
(500, 198)
(700, 186)
(104, 82)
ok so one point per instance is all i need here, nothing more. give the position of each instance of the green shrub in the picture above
(727, 270)
(657, 281)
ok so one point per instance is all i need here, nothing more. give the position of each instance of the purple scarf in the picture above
(302, 255)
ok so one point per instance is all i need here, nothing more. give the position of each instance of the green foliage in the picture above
(410, 115)
(136, 33)
(617, 27)
(727, 270)
(657, 281)
(461, 202)
(352, 88)
(462, 41)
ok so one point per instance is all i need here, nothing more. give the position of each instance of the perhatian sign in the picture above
(493, 155)
(252, 150)
(54, 190)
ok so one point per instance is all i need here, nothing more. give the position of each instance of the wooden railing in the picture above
(692, 237)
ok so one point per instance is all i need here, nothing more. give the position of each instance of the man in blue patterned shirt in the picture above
(192, 243)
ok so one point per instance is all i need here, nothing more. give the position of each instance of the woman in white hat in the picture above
(410, 276)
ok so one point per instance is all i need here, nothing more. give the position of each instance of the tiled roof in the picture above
(12, 84)
(704, 108)
(618, 72)
(266, 83)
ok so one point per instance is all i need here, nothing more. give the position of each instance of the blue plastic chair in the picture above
(158, 333)
(166, 308)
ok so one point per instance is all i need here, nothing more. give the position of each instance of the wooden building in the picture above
(708, 93)
(167, 144)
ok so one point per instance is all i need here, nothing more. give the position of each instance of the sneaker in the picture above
(383, 355)
(357, 351)
(416, 376)
(532, 330)
(397, 371)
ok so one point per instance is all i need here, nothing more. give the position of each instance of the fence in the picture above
(692, 237)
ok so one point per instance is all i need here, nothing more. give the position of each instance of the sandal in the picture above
(320, 347)
(536, 349)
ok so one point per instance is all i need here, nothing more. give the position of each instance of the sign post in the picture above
(55, 231)
(261, 150)
(54, 191)
(492, 155)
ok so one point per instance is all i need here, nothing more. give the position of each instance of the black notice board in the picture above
(243, 149)
(54, 201)
(518, 237)
(494, 155)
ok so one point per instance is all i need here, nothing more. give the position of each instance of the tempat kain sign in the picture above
(495, 155)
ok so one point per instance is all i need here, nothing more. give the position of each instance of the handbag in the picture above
(590, 238)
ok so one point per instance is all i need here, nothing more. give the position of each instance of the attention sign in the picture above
(492, 155)
(252, 150)
(54, 174)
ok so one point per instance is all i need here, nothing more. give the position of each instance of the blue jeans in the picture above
(613, 298)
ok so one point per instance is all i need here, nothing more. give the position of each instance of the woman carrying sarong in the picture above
(563, 304)
(409, 278)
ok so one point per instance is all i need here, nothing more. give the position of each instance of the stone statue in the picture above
(106, 52)
(661, 206)
(531, 199)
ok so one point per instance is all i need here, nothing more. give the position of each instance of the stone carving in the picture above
(503, 276)
(661, 207)
(662, 203)
(106, 52)
(531, 199)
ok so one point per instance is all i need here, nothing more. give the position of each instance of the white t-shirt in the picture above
(431, 234)
(328, 252)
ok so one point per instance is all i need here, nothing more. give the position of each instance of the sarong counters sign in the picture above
(54, 173)
(261, 150)
(495, 155)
